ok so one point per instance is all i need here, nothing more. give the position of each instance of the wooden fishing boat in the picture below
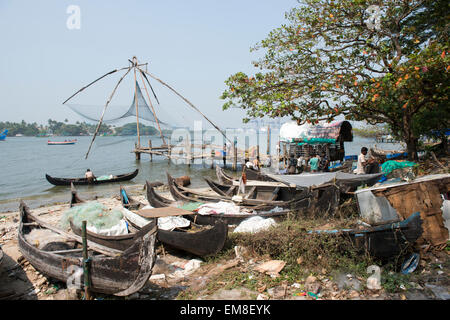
(268, 191)
(158, 201)
(204, 242)
(111, 271)
(61, 143)
(295, 200)
(209, 240)
(84, 181)
(387, 154)
(251, 174)
(386, 240)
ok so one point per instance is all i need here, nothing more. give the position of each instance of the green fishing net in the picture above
(392, 165)
(94, 213)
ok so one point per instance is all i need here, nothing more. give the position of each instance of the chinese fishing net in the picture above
(113, 114)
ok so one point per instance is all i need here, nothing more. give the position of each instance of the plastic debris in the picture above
(411, 263)
(272, 267)
(254, 224)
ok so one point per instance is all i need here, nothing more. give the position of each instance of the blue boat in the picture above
(3, 135)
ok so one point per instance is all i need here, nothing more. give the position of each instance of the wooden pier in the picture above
(189, 152)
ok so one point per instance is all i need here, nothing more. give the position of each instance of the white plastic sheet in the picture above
(255, 224)
(221, 207)
(119, 229)
(164, 223)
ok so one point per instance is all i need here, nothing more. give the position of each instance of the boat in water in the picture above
(98, 180)
(61, 143)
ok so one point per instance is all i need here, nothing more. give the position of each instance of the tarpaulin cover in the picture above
(330, 132)
(316, 179)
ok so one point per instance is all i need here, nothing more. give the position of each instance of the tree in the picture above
(332, 59)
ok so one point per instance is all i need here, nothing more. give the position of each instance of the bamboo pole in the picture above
(135, 100)
(169, 150)
(87, 283)
(137, 152)
(104, 109)
(268, 140)
(235, 155)
(153, 110)
(107, 74)
(150, 148)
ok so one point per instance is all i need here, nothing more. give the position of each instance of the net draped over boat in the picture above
(95, 213)
(144, 111)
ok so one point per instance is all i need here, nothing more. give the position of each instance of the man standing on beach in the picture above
(365, 166)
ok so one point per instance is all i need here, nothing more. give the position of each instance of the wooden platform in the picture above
(163, 212)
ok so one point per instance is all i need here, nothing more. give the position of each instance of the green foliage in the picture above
(130, 129)
(370, 131)
(326, 62)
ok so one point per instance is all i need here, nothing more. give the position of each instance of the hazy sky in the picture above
(192, 45)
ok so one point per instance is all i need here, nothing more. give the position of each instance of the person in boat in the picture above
(314, 163)
(324, 163)
(365, 165)
(90, 176)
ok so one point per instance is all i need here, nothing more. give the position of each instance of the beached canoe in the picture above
(84, 181)
(250, 174)
(294, 200)
(207, 239)
(159, 201)
(111, 271)
(385, 240)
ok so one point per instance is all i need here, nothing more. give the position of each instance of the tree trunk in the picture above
(411, 145)
(409, 138)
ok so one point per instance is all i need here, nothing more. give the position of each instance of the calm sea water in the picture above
(26, 160)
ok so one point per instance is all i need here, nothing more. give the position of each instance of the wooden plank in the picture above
(163, 212)
(230, 191)
(251, 192)
(251, 183)
(275, 193)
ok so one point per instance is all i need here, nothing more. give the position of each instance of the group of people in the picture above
(316, 163)
(320, 163)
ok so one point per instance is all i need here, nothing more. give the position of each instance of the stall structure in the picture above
(309, 140)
